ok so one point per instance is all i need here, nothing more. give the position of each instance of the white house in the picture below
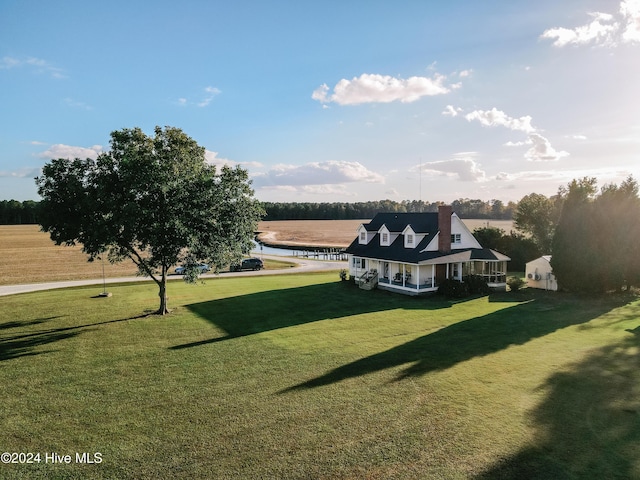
(412, 253)
(540, 274)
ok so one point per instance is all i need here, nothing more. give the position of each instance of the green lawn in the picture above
(302, 376)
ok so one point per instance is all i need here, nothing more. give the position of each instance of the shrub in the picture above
(476, 284)
(343, 275)
(453, 289)
(515, 283)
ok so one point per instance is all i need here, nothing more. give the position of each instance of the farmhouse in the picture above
(412, 253)
(540, 274)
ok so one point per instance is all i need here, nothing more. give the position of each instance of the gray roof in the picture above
(422, 223)
(397, 222)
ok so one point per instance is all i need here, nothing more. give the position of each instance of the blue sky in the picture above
(333, 101)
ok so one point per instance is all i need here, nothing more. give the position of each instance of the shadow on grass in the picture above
(264, 311)
(26, 323)
(588, 425)
(25, 344)
(540, 315)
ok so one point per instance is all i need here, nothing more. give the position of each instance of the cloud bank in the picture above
(606, 29)
(541, 149)
(317, 174)
(373, 88)
(462, 166)
(60, 150)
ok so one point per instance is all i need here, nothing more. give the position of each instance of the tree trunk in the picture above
(162, 293)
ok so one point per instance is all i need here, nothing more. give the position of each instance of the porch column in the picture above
(433, 275)
(418, 277)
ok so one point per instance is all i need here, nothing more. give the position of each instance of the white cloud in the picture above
(630, 10)
(577, 137)
(462, 166)
(212, 159)
(317, 173)
(451, 111)
(373, 88)
(206, 97)
(495, 117)
(35, 64)
(542, 151)
(210, 93)
(69, 151)
(605, 29)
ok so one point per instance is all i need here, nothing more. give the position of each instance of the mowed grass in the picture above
(304, 376)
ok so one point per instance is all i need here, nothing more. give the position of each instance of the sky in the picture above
(334, 101)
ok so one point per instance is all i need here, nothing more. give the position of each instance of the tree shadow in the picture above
(25, 344)
(476, 337)
(271, 310)
(588, 425)
(25, 323)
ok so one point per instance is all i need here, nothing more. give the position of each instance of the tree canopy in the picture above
(153, 200)
(537, 216)
(595, 247)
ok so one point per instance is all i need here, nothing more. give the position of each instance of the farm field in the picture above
(27, 255)
(335, 233)
(235, 383)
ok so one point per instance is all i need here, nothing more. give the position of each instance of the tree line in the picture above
(465, 208)
(13, 212)
(592, 235)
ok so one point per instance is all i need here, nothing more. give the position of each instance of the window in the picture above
(409, 239)
(385, 238)
(363, 236)
(456, 238)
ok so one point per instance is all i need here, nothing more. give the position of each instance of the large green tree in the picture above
(154, 200)
(595, 248)
(538, 216)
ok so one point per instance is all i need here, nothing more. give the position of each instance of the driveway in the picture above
(301, 266)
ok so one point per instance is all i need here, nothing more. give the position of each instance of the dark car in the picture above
(249, 264)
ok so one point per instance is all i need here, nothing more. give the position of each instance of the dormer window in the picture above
(385, 238)
(363, 237)
(456, 238)
(409, 239)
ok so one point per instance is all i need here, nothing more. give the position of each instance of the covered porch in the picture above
(425, 277)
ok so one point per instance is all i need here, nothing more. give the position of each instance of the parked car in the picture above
(203, 267)
(249, 264)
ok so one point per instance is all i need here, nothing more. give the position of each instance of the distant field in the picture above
(27, 255)
(336, 233)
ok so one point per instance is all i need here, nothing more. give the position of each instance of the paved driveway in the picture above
(302, 265)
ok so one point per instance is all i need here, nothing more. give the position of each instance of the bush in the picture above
(343, 275)
(476, 284)
(453, 289)
(515, 283)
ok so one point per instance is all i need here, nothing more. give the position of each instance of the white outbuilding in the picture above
(540, 274)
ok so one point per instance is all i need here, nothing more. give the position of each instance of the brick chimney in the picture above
(444, 225)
